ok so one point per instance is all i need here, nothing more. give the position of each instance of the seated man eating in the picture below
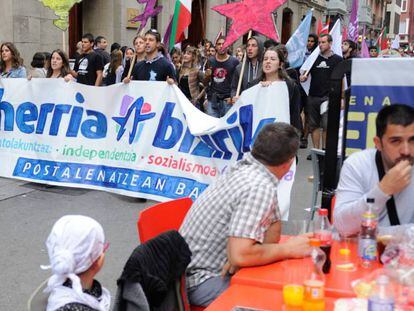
(361, 174)
(236, 221)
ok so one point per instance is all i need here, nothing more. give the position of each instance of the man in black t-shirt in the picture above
(220, 72)
(155, 67)
(100, 47)
(88, 67)
(317, 102)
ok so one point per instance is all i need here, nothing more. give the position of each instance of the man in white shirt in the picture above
(360, 180)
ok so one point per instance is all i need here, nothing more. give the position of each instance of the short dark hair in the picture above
(397, 114)
(326, 35)
(351, 44)
(89, 37)
(115, 46)
(276, 144)
(98, 39)
(373, 47)
(155, 33)
(38, 60)
(269, 43)
(315, 38)
(221, 37)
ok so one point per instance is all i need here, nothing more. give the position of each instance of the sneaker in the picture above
(303, 144)
(309, 157)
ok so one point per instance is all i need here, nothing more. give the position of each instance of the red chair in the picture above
(162, 217)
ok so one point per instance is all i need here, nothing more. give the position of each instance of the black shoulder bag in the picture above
(391, 209)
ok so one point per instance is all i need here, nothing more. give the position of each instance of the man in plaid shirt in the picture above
(236, 221)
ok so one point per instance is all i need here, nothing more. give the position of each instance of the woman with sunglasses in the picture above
(76, 247)
(190, 77)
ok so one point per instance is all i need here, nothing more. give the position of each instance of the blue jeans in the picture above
(217, 108)
(206, 292)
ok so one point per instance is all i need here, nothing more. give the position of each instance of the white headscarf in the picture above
(73, 245)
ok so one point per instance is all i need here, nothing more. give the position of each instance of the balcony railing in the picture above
(365, 14)
(337, 6)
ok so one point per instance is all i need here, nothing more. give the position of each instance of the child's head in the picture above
(75, 246)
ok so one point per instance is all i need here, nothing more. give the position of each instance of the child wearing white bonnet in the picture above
(76, 247)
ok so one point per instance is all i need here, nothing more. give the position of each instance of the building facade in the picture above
(407, 23)
(29, 24)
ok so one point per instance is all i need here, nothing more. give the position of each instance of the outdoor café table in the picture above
(254, 297)
(337, 283)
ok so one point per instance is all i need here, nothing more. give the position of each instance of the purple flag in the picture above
(353, 22)
(151, 10)
(364, 47)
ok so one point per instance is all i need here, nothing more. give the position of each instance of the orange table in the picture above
(253, 297)
(337, 283)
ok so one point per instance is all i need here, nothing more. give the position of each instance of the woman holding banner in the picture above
(190, 76)
(59, 66)
(273, 70)
(11, 64)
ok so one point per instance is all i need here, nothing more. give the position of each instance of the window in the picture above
(404, 6)
(403, 27)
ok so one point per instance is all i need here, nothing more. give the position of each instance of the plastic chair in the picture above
(162, 217)
(318, 167)
(318, 157)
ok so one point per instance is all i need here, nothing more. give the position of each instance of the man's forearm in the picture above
(98, 81)
(272, 234)
(260, 254)
(349, 209)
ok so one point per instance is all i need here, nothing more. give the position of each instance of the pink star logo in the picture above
(250, 14)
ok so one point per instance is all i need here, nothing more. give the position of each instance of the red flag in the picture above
(320, 26)
(325, 28)
(344, 33)
(382, 40)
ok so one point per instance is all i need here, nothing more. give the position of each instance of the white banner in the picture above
(135, 139)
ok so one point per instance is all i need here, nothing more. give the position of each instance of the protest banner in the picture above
(376, 82)
(141, 139)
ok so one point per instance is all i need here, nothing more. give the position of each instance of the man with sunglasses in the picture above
(155, 67)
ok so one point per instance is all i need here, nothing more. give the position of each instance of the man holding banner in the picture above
(254, 53)
(383, 174)
(155, 67)
(236, 221)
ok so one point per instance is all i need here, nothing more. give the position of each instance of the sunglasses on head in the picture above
(105, 247)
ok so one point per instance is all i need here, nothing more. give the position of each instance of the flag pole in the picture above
(63, 41)
(202, 19)
(243, 66)
(134, 58)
